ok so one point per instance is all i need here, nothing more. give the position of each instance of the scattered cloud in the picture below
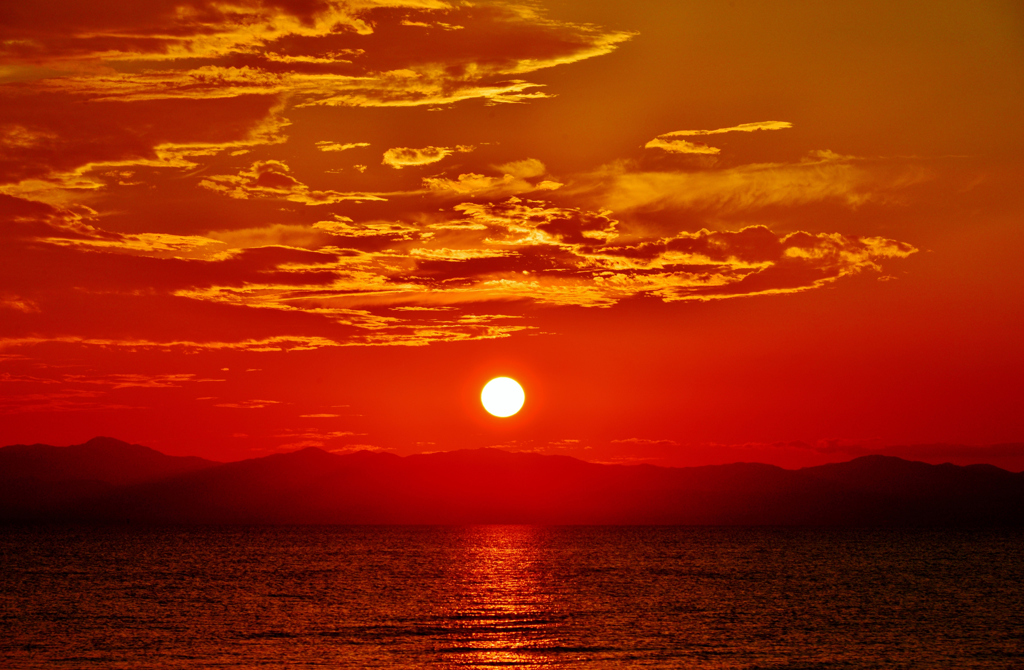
(103, 144)
(315, 437)
(71, 400)
(331, 52)
(326, 145)
(272, 179)
(279, 343)
(669, 141)
(81, 392)
(248, 404)
(30, 221)
(102, 99)
(821, 176)
(646, 441)
(338, 281)
(523, 169)
(682, 147)
(343, 226)
(514, 180)
(474, 257)
(17, 303)
(402, 157)
(121, 381)
(8, 378)
(741, 128)
(532, 251)
(171, 86)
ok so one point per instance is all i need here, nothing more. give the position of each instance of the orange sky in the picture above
(696, 232)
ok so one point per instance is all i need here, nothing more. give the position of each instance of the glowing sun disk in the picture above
(503, 396)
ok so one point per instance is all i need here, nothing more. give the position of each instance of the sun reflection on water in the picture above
(503, 610)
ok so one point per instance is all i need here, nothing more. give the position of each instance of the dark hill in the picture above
(494, 486)
(42, 480)
(101, 458)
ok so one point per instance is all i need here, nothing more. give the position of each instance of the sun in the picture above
(503, 396)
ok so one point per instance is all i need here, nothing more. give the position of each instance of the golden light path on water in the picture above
(541, 597)
(503, 615)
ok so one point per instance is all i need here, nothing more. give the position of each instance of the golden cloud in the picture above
(356, 53)
(527, 168)
(535, 252)
(741, 128)
(105, 143)
(271, 179)
(514, 180)
(473, 184)
(335, 146)
(168, 84)
(668, 142)
(343, 226)
(28, 221)
(682, 147)
(822, 175)
(402, 157)
(277, 343)
(166, 32)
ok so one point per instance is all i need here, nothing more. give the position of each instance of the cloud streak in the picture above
(272, 179)
(326, 145)
(403, 157)
(820, 176)
(669, 141)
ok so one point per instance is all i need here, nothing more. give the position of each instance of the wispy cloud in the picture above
(80, 392)
(741, 128)
(164, 85)
(136, 380)
(272, 179)
(515, 178)
(248, 404)
(402, 157)
(669, 141)
(326, 145)
(330, 52)
(820, 176)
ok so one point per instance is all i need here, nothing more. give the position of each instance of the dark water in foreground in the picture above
(510, 596)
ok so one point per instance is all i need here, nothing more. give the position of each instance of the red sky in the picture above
(696, 232)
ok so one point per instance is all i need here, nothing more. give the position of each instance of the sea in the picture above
(510, 597)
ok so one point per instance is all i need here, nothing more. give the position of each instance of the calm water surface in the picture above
(510, 596)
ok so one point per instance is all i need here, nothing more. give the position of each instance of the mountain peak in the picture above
(106, 478)
(113, 447)
(102, 459)
(102, 440)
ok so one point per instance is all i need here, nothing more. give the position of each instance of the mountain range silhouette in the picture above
(109, 481)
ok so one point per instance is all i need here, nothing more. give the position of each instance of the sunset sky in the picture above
(695, 232)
